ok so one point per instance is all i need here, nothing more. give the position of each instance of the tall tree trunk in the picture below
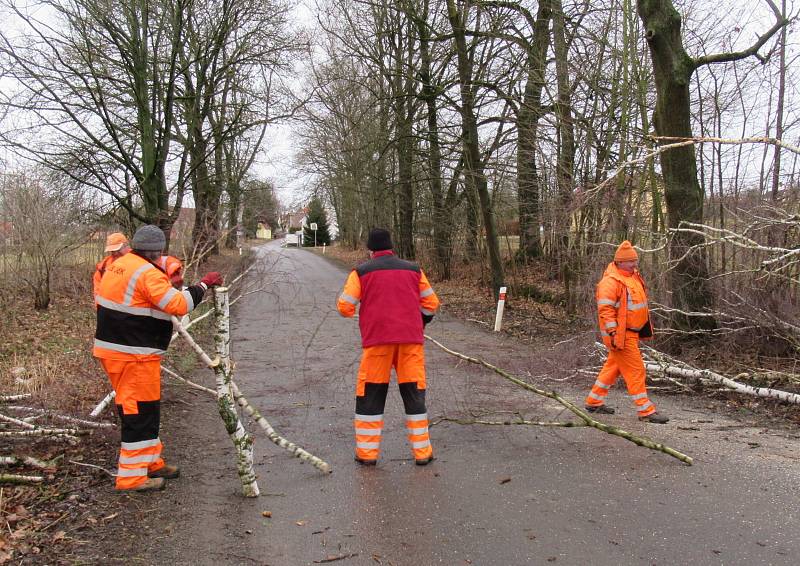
(474, 168)
(566, 154)
(442, 210)
(776, 167)
(530, 112)
(673, 69)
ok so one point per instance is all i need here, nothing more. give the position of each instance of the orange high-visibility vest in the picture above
(134, 307)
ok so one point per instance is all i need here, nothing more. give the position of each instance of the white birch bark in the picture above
(766, 392)
(242, 441)
(101, 406)
(9, 398)
(67, 418)
(16, 479)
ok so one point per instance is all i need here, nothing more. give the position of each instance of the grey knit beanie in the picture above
(149, 238)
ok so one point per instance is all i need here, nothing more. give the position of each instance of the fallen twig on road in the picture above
(610, 429)
(565, 424)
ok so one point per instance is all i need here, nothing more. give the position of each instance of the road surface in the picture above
(496, 495)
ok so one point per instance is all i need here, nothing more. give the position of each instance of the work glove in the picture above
(211, 279)
(426, 318)
(608, 341)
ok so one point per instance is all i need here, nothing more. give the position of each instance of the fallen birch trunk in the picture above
(242, 441)
(610, 429)
(294, 449)
(16, 479)
(766, 392)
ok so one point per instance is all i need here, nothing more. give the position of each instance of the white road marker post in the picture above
(501, 305)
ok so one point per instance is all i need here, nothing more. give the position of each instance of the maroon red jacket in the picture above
(395, 298)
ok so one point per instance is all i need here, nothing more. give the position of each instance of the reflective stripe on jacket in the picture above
(394, 294)
(621, 305)
(134, 307)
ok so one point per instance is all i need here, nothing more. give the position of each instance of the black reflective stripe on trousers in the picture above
(143, 426)
(132, 330)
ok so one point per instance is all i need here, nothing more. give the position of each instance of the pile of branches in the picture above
(21, 426)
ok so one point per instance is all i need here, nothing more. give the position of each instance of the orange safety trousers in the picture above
(408, 361)
(627, 362)
(138, 388)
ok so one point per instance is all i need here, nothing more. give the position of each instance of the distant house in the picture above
(295, 219)
(263, 231)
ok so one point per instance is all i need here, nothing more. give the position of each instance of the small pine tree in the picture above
(316, 213)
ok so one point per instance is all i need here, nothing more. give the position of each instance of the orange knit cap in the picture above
(625, 252)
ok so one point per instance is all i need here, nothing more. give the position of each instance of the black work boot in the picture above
(600, 409)
(424, 461)
(365, 462)
(655, 418)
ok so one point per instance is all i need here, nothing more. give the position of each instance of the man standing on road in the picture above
(116, 247)
(624, 318)
(396, 302)
(134, 307)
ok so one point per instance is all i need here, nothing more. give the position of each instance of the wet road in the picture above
(496, 495)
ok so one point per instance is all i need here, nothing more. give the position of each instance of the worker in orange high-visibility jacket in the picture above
(173, 267)
(116, 247)
(135, 303)
(624, 318)
(396, 302)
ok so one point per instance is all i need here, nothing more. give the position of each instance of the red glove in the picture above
(212, 279)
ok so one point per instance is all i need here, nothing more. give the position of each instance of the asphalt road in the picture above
(496, 495)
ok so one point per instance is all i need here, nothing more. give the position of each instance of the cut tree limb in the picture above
(295, 450)
(610, 429)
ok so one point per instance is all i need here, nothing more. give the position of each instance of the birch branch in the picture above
(25, 461)
(610, 429)
(20, 480)
(101, 406)
(292, 448)
(67, 418)
(9, 398)
(197, 386)
(39, 432)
